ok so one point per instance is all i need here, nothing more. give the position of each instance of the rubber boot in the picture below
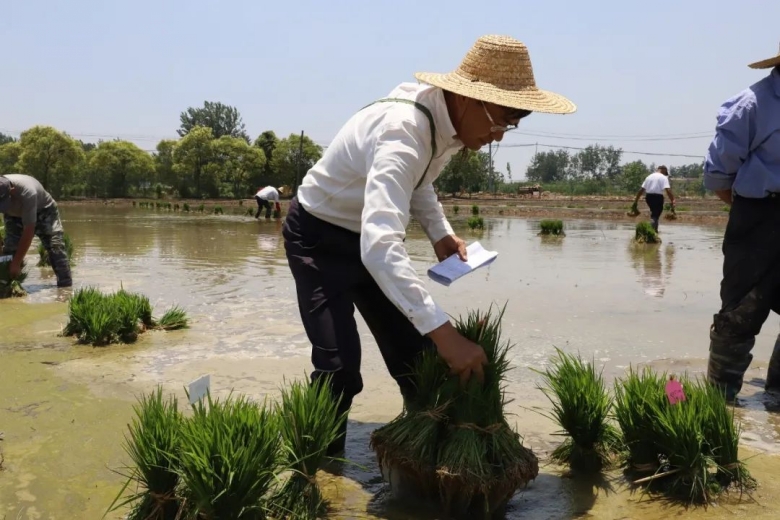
(729, 360)
(773, 372)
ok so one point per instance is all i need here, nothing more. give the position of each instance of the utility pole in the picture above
(490, 168)
(298, 166)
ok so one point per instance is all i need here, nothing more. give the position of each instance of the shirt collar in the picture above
(444, 128)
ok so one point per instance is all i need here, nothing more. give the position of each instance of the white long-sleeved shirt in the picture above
(365, 182)
(268, 193)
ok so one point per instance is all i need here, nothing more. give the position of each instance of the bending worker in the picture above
(29, 210)
(344, 233)
(654, 186)
(264, 197)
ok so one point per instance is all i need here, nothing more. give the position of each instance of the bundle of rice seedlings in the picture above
(218, 210)
(455, 209)
(229, 459)
(635, 398)
(452, 441)
(551, 228)
(277, 213)
(153, 446)
(201, 208)
(11, 286)
(174, 318)
(581, 407)
(185, 207)
(250, 212)
(175, 207)
(309, 423)
(634, 211)
(671, 213)
(474, 210)
(475, 222)
(645, 234)
(43, 255)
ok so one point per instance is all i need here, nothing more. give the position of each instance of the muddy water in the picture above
(63, 408)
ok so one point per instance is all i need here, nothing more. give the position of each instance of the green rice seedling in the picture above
(43, 255)
(229, 459)
(153, 446)
(218, 210)
(634, 210)
(175, 207)
(635, 396)
(474, 210)
(671, 213)
(185, 207)
(455, 209)
(174, 318)
(201, 208)
(11, 286)
(308, 422)
(475, 223)
(726, 208)
(277, 213)
(158, 205)
(581, 407)
(250, 212)
(551, 228)
(645, 234)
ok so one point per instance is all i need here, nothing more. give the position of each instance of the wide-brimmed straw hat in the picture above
(768, 63)
(497, 69)
(281, 189)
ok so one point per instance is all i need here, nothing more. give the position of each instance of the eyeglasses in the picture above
(495, 127)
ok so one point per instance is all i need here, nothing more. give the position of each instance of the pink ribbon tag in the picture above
(674, 391)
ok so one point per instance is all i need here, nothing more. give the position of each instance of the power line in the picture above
(526, 145)
(615, 139)
(615, 136)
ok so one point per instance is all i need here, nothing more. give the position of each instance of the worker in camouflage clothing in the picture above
(28, 211)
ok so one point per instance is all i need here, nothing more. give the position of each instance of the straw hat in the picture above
(767, 64)
(281, 189)
(497, 69)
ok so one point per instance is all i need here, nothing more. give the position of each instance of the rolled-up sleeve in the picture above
(398, 161)
(731, 145)
(427, 209)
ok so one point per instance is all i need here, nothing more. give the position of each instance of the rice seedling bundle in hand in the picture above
(101, 319)
(153, 446)
(634, 211)
(229, 459)
(43, 254)
(308, 422)
(452, 442)
(581, 407)
(645, 234)
(551, 228)
(671, 214)
(11, 286)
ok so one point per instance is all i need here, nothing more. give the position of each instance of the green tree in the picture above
(267, 142)
(50, 156)
(9, 157)
(287, 161)
(119, 168)
(467, 171)
(191, 159)
(548, 166)
(87, 147)
(236, 162)
(633, 175)
(163, 163)
(5, 139)
(687, 171)
(221, 119)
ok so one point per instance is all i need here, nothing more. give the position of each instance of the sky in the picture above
(645, 76)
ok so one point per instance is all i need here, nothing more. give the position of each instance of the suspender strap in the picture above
(422, 108)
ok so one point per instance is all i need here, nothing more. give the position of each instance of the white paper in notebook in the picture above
(452, 268)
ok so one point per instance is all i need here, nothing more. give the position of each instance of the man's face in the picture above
(484, 123)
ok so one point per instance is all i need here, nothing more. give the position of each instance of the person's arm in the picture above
(393, 171)
(29, 217)
(425, 207)
(730, 146)
(639, 194)
(668, 190)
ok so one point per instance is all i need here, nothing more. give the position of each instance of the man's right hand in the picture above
(464, 357)
(725, 196)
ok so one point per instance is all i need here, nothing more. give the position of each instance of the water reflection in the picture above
(653, 268)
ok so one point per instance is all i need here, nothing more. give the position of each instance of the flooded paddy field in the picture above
(64, 407)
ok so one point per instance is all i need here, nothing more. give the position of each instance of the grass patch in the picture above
(581, 407)
(645, 234)
(475, 223)
(551, 228)
(43, 255)
(11, 286)
(101, 319)
(452, 441)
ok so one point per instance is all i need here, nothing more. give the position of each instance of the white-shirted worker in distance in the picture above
(654, 187)
(344, 233)
(264, 197)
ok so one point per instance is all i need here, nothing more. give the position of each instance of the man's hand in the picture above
(725, 196)
(15, 268)
(464, 357)
(448, 246)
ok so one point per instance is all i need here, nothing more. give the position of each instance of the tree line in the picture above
(214, 158)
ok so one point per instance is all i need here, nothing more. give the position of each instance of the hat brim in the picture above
(766, 64)
(535, 100)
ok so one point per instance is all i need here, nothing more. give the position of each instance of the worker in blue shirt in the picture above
(743, 168)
